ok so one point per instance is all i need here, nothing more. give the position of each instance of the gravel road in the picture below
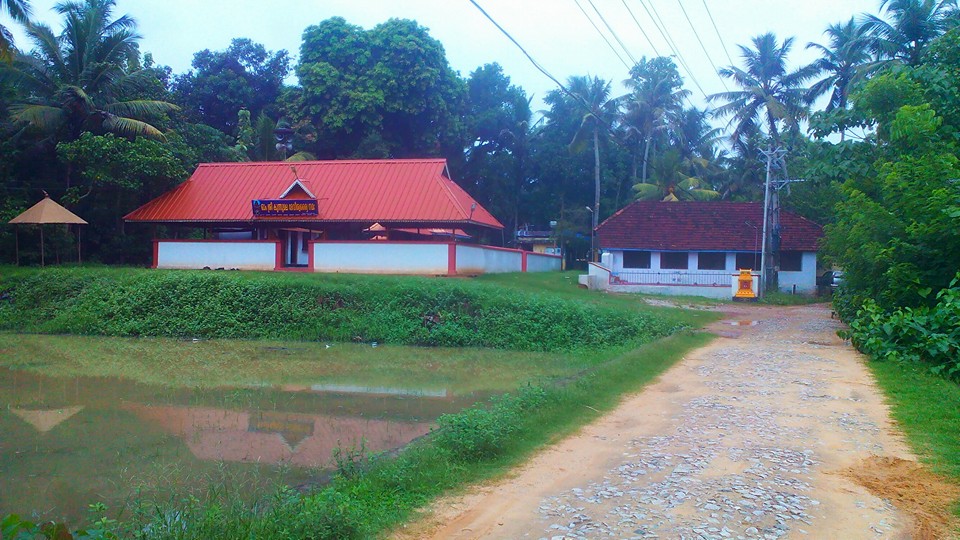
(742, 439)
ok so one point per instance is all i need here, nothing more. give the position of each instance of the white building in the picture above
(695, 248)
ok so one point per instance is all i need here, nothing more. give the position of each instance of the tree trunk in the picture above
(596, 195)
(646, 156)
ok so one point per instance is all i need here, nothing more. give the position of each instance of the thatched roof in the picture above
(47, 211)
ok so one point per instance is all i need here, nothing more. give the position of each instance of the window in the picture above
(750, 261)
(791, 261)
(636, 259)
(711, 261)
(671, 260)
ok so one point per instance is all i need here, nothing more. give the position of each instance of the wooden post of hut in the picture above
(45, 212)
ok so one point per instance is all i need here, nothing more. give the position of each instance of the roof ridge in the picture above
(449, 192)
(319, 162)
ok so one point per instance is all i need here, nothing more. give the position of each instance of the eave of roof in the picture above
(701, 226)
(348, 191)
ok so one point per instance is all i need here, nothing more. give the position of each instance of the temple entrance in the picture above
(296, 247)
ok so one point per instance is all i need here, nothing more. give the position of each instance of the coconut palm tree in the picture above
(770, 95)
(908, 26)
(656, 97)
(76, 81)
(593, 95)
(18, 10)
(845, 61)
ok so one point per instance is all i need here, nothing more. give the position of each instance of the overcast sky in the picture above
(555, 32)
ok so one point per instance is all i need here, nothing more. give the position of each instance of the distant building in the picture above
(538, 241)
(694, 248)
(360, 216)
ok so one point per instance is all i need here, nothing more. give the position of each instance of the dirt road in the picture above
(750, 437)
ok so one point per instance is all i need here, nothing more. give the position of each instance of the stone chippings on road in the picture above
(664, 486)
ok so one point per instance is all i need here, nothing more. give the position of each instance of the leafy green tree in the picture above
(221, 83)
(499, 136)
(907, 27)
(389, 87)
(112, 176)
(771, 96)
(18, 10)
(74, 82)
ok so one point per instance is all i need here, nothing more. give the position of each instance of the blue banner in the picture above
(284, 207)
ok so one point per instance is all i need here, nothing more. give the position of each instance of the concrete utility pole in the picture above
(770, 254)
(771, 224)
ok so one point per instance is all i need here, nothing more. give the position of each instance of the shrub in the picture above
(404, 311)
(925, 334)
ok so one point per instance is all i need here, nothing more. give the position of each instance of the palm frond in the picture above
(45, 118)
(19, 10)
(131, 128)
(140, 108)
(302, 156)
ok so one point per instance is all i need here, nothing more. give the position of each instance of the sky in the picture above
(555, 32)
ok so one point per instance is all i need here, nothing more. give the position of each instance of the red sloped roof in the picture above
(702, 226)
(395, 190)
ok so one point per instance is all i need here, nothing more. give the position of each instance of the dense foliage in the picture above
(924, 335)
(389, 91)
(209, 304)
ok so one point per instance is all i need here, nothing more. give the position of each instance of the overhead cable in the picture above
(614, 34)
(664, 32)
(642, 31)
(597, 28)
(702, 46)
(717, 30)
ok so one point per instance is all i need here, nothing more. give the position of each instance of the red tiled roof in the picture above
(387, 191)
(702, 226)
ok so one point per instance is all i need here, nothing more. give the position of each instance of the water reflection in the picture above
(305, 440)
(68, 442)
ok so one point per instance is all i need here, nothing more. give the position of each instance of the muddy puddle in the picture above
(67, 442)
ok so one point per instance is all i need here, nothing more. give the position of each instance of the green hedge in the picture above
(407, 311)
(923, 335)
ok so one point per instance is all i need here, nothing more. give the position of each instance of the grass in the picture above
(383, 492)
(245, 363)
(564, 285)
(273, 305)
(780, 298)
(927, 408)
(593, 348)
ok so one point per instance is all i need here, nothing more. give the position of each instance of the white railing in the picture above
(672, 277)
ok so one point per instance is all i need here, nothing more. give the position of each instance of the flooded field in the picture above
(85, 420)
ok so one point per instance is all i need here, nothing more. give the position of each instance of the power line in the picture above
(717, 30)
(525, 53)
(673, 47)
(614, 34)
(597, 28)
(642, 31)
(702, 46)
(576, 97)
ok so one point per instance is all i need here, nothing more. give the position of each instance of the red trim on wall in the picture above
(535, 254)
(523, 261)
(451, 259)
(491, 247)
(415, 242)
(310, 244)
(212, 240)
(278, 264)
(156, 253)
